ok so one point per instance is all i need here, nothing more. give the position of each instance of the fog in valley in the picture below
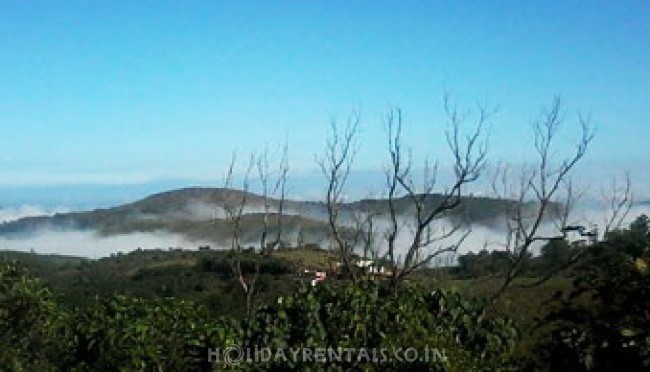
(95, 244)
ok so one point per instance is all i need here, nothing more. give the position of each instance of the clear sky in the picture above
(123, 92)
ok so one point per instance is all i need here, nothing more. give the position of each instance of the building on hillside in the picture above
(316, 276)
(371, 267)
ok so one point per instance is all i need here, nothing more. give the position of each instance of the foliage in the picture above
(268, 265)
(200, 276)
(483, 263)
(604, 323)
(554, 255)
(552, 258)
(26, 316)
(125, 320)
(124, 333)
(369, 316)
(121, 333)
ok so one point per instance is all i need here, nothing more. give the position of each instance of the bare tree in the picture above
(273, 185)
(617, 201)
(362, 237)
(340, 150)
(364, 229)
(234, 204)
(428, 238)
(542, 192)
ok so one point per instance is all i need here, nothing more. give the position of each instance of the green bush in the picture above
(122, 333)
(604, 322)
(27, 317)
(268, 265)
(369, 316)
(119, 333)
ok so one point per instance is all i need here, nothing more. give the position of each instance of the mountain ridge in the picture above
(194, 213)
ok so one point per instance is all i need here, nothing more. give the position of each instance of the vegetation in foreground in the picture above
(595, 319)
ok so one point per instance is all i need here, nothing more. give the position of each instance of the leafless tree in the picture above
(362, 235)
(340, 151)
(541, 193)
(273, 185)
(364, 230)
(617, 201)
(233, 203)
(428, 238)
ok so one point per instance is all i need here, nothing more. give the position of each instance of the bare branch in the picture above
(540, 187)
(617, 202)
(233, 203)
(340, 151)
(469, 156)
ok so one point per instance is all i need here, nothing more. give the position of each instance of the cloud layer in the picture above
(92, 245)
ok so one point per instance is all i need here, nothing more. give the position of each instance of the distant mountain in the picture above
(195, 214)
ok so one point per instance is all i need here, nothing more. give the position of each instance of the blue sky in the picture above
(138, 92)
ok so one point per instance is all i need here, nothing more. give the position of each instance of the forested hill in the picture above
(195, 213)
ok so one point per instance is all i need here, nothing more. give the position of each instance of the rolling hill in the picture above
(195, 214)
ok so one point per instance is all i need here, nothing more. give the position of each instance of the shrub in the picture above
(604, 322)
(27, 314)
(368, 316)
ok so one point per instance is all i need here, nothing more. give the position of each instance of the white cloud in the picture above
(92, 245)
